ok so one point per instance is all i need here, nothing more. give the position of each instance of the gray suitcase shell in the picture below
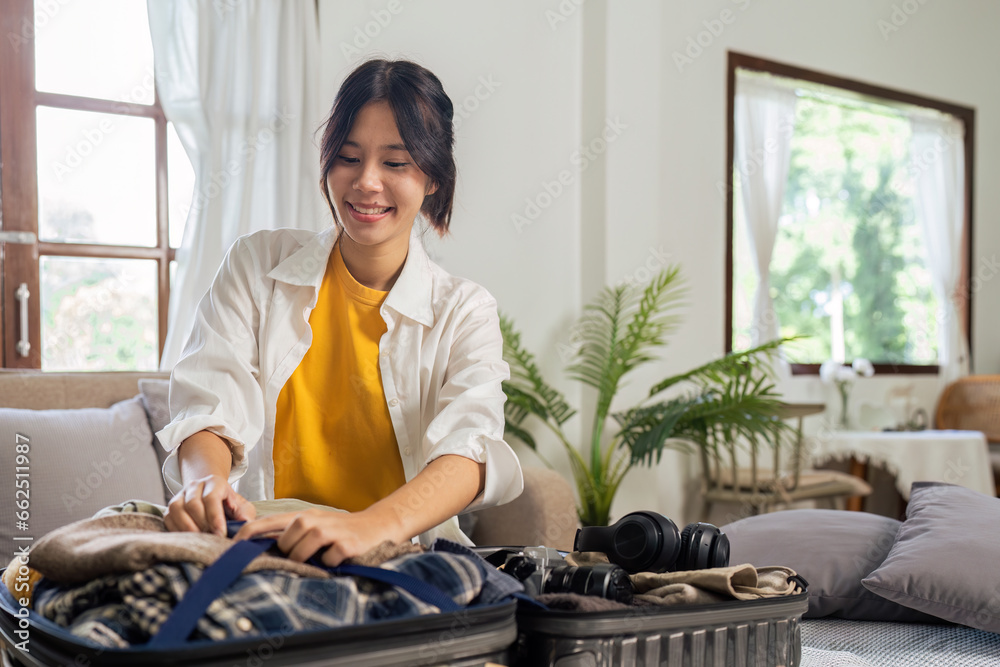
(756, 633)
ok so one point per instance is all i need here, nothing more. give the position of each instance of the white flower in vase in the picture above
(863, 367)
(843, 377)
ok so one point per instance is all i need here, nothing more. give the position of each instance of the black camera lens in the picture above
(721, 553)
(520, 567)
(606, 581)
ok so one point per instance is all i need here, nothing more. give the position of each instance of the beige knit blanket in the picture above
(132, 536)
(131, 542)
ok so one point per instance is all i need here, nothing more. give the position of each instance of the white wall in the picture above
(655, 190)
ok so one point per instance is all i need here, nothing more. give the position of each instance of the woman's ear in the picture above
(431, 189)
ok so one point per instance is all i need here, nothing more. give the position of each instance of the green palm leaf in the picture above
(734, 403)
(755, 360)
(527, 392)
(618, 332)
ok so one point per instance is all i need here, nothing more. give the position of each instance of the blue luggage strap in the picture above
(229, 566)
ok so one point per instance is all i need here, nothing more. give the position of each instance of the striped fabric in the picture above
(831, 642)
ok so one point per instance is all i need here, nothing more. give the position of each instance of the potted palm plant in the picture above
(724, 402)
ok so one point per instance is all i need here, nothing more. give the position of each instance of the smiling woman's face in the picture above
(377, 188)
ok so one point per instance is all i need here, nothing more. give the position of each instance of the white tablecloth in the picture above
(955, 457)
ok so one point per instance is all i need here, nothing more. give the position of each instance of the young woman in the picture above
(345, 368)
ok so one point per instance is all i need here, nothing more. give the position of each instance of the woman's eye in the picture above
(396, 165)
(348, 160)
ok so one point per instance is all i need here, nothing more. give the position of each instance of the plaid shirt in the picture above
(117, 611)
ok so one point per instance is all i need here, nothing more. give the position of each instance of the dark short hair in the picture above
(423, 113)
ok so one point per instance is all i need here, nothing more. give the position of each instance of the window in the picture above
(840, 223)
(87, 159)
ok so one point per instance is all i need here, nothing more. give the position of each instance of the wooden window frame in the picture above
(966, 115)
(19, 185)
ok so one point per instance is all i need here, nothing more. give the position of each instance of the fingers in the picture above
(304, 538)
(302, 534)
(198, 507)
(177, 519)
(335, 555)
(215, 515)
(239, 508)
(300, 545)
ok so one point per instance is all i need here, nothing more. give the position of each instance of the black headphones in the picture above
(650, 542)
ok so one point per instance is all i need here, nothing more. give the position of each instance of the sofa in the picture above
(74, 443)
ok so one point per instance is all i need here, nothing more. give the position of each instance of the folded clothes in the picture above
(704, 586)
(126, 609)
(577, 602)
(736, 582)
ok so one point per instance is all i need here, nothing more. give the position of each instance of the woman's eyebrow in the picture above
(386, 147)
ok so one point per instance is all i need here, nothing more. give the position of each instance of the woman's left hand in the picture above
(345, 535)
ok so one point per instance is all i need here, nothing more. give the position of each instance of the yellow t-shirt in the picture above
(333, 438)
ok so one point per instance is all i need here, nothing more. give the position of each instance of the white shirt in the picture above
(440, 358)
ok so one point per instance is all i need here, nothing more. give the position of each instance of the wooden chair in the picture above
(972, 403)
(759, 488)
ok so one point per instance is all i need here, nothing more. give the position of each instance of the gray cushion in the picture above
(154, 395)
(946, 558)
(831, 549)
(78, 461)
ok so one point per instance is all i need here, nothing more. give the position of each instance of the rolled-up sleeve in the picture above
(215, 385)
(470, 418)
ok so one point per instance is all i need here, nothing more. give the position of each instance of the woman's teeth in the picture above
(370, 211)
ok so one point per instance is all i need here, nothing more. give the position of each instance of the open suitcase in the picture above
(471, 637)
(759, 633)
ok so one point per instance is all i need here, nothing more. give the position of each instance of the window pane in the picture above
(181, 185)
(98, 314)
(94, 49)
(96, 178)
(849, 266)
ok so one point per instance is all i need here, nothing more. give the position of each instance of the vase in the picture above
(844, 424)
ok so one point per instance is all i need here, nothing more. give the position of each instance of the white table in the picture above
(955, 457)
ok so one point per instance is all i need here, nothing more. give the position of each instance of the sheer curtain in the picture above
(764, 121)
(240, 82)
(938, 164)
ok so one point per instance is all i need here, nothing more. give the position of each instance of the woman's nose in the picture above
(369, 180)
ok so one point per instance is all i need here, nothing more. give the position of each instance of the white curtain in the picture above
(240, 81)
(938, 165)
(764, 120)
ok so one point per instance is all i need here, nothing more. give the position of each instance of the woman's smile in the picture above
(368, 213)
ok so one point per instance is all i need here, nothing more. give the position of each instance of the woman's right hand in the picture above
(204, 504)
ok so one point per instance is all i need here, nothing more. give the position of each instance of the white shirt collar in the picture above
(411, 295)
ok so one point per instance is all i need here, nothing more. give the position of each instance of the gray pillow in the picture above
(154, 393)
(946, 558)
(833, 550)
(75, 463)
